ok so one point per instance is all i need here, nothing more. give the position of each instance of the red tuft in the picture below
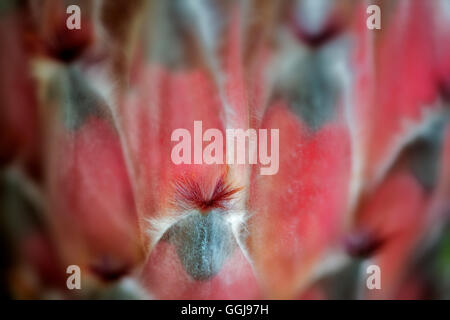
(191, 194)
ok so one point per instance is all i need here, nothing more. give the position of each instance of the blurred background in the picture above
(86, 179)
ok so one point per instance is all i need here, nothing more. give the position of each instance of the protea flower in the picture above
(363, 173)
